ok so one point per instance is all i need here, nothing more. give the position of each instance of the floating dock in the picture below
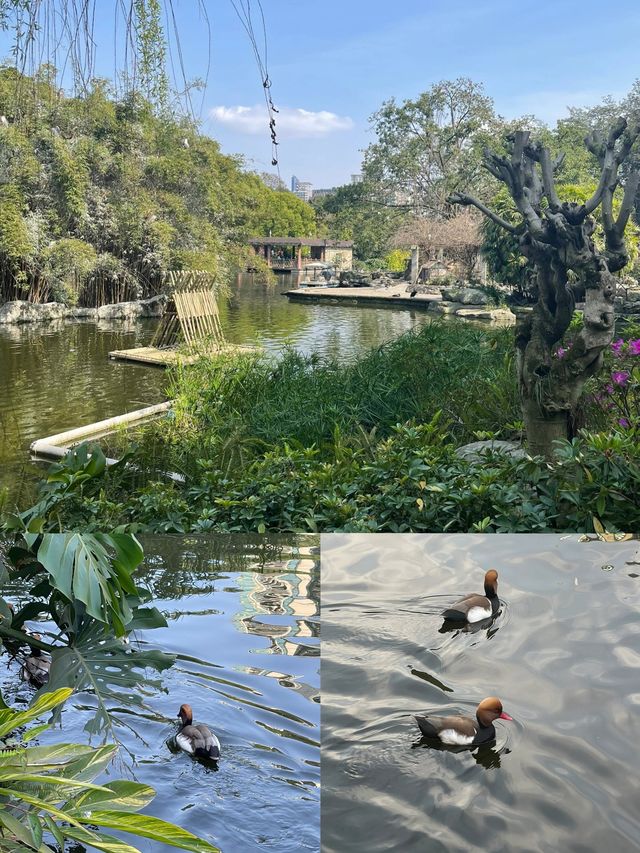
(168, 356)
(365, 296)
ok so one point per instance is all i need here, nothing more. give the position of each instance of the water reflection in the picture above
(217, 593)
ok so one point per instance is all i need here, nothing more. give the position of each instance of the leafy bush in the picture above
(229, 410)
(411, 481)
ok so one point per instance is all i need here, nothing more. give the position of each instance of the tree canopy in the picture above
(101, 196)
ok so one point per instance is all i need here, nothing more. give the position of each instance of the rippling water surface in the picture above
(57, 376)
(243, 620)
(563, 655)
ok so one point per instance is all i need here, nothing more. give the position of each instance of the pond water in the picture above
(563, 655)
(57, 376)
(243, 620)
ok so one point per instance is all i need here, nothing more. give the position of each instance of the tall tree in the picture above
(429, 147)
(556, 237)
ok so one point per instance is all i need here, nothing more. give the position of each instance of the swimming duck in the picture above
(465, 731)
(475, 607)
(35, 668)
(198, 740)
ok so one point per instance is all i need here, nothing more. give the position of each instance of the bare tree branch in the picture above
(462, 198)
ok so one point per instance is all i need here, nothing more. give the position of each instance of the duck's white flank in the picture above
(477, 614)
(184, 743)
(454, 738)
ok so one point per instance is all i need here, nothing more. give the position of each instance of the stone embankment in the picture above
(33, 312)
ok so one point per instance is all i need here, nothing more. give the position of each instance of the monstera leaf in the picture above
(48, 793)
(109, 668)
(94, 569)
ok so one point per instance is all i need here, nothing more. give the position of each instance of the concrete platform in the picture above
(393, 297)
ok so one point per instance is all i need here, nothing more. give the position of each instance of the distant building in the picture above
(304, 190)
(286, 253)
(294, 183)
(357, 179)
(323, 192)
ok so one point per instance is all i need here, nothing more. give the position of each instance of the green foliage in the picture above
(84, 583)
(48, 792)
(103, 197)
(411, 481)
(396, 261)
(353, 213)
(430, 147)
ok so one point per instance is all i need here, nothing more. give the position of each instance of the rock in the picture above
(479, 312)
(443, 307)
(32, 312)
(153, 307)
(84, 313)
(476, 451)
(465, 295)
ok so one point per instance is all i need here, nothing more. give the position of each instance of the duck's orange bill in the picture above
(504, 716)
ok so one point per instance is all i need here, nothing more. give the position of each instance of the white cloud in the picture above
(289, 122)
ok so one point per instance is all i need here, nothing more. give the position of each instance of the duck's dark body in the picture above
(475, 607)
(464, 731)
(197, 740)
(458, 730)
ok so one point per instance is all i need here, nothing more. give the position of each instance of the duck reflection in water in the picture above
(487, 755)
(454, 626)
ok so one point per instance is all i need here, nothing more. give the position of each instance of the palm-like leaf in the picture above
(107, 667)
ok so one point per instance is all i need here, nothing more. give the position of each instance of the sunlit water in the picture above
(243, 621)
(57, 376)
(563, 655)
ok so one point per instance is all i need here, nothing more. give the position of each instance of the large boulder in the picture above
(481, 312)
(32, 312)
(443, 307)
(153, 307)
(465, 295)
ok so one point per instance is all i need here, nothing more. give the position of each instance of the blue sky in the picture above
(332, 63)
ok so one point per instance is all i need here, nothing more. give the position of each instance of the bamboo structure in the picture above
(192, 311)
(191, 318)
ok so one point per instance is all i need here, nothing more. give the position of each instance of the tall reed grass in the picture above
(228, 409)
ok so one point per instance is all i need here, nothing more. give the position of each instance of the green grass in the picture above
(228, 410)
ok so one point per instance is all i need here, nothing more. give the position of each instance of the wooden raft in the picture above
(190, 327)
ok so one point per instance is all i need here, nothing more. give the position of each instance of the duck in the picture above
(35, 668)
(475, 607)
(197, 740)
(465, 731)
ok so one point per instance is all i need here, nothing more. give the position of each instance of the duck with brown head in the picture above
(465, 731)
(35, 668)
(475, 607)
(198, 741)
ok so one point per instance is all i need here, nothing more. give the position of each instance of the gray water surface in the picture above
(243, 620)
(563, 655)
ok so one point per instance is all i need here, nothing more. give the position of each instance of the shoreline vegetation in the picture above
(308, 444)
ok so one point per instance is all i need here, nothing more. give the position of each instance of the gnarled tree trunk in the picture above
(557, 239)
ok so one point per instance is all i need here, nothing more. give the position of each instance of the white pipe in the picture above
(63, 440)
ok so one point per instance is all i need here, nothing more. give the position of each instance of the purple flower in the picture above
(620, 377)
(609, 389)
(560, 352)
(624, 423)
(616, 346)
(634, 347)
